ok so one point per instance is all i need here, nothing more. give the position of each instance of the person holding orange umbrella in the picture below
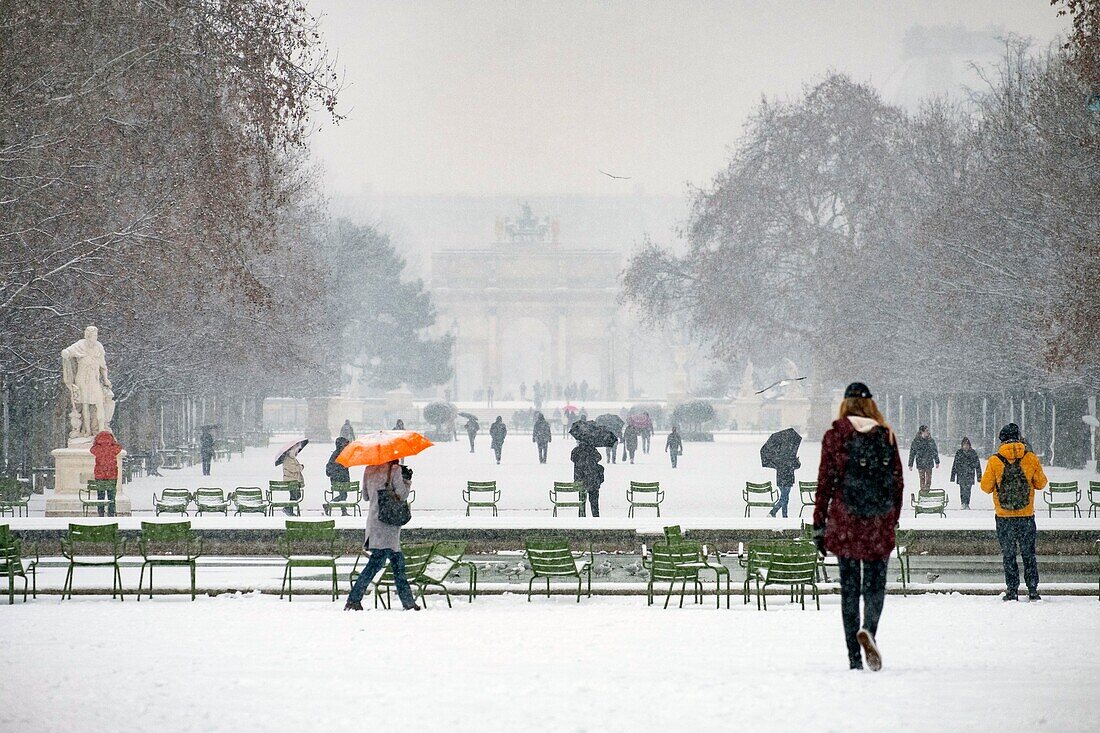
(386, 484)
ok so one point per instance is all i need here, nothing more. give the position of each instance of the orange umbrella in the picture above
(382, 447)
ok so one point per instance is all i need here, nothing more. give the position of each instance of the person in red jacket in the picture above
(106, 449)
(858, 502)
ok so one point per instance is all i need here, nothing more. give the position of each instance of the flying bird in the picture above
(781, 383)
(619, 178)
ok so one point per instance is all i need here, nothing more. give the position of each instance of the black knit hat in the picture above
(1009, 433)
(857, 389)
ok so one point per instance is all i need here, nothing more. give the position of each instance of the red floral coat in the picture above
(106, 449)
(846, 535)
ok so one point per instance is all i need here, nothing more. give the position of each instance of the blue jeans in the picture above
(784, 495)
(377, 559)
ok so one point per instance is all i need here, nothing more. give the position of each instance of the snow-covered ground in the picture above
(250, 663)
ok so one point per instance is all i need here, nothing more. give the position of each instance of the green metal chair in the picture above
(761, 495)
(903, 544)
(210, 499)
(416, 560)
(553, 558)
(793, 564)
(929, 501)
(1062, 495)
(249, 500)
(481, 495)
(807, 490)
(93, 545)
(754, 558)
(673, 563)
(644, 495)
(1094, 498)
(568, 495)
(14, 563)
(673, 534)
(98, 495)
(351, 500)
(823, 563)
(308, 544)
(284, 495)
(445, 557)
(14, 497)
(172, 501)
(168, 544)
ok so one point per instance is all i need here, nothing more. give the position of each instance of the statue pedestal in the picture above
(74, 468)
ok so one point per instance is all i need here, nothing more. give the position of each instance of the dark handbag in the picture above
(392, 509)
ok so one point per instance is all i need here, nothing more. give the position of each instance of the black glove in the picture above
(819, 540)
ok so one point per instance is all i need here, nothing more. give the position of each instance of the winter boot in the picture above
(413, 607)
(1034, 596)
(353, 606)
(1010, 595)
(870, 649)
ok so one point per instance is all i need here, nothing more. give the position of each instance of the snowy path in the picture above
(253, 663)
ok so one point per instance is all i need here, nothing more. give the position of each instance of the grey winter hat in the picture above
(1009, 433)
(857, 389)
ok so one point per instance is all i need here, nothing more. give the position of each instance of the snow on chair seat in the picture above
(929, 501)
(172, 501)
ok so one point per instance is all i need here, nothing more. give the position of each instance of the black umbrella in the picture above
(614, 423)
(468, 416)
(780, 450)
(594, 434)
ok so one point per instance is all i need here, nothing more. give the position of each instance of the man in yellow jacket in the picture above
(1012, 475)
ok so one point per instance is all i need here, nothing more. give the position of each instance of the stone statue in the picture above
(748, 389)
(84, 371)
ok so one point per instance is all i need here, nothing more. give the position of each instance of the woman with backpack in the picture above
(383, 540)
(965, 470)
(859, 497)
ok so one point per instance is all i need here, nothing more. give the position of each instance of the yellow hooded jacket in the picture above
(1033, 471)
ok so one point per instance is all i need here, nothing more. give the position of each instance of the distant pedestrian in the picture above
(206, 450)
(347, 432)
(584, 390)
(293, 471)
(674, 445)
(781, 453)
(630, 441)
(859, 494)
(1012, 475)
(471, 431)
(106, 449)
(338, 473)
(965, 470)
(399, 425)
(924, 453)
(541, 435)
(612, 451)
(498, 431)
(489, 396)
(383, 541)
(523, 390)
(589, 473)
(647, 432)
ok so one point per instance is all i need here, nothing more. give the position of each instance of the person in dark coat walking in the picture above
(541, 435)
(924, 453)
(498, 431)
(471, 431)
(965, 470)
(647, 433)
(612, 451)
(206, 450)
(588, 471)
(347, 432)
(859, 496)
(338, 473)
(630, 441)
(674, 445)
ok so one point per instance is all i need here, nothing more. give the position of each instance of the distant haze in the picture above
(516, 99)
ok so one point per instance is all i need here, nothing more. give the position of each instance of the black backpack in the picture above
(1014, 491)
(868, 477)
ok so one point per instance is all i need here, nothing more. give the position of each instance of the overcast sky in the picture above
(523, 98)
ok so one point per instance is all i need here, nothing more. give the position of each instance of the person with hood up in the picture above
(1012, 475)
(588, 472)
(383, 541)
(541, 435)
(674, 445)
(206, 450)
(965, 470)
(924, 453)
(338, 473)
(106, 449)
(630, 441)
(347, 432)
(497, 432)
(292, 471)
(399, 425)
(472, 427)
(860, 486)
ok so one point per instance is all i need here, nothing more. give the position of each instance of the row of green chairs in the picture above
(763, 495)
(1066, 495)
(564, 495)
(15, 496)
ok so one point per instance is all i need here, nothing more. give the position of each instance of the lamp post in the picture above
(454, 357)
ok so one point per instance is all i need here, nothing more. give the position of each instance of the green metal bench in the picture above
(568, 495)
(761, 495)
(644, 495)
(351, 500)
(98, 495)
(14, 497)
(481, 495)
(793, 564)
(445, 557)
(93, 545)
(14, 563)
(416, 560)
(167, 544)
(210, 499)
(1094, 498)
(172, 501)
(308, 544)
(284, 495)
(1062, 495)
(929, 501)
(903, 544)
(553, 558)
(249, 500)
(807, 491)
